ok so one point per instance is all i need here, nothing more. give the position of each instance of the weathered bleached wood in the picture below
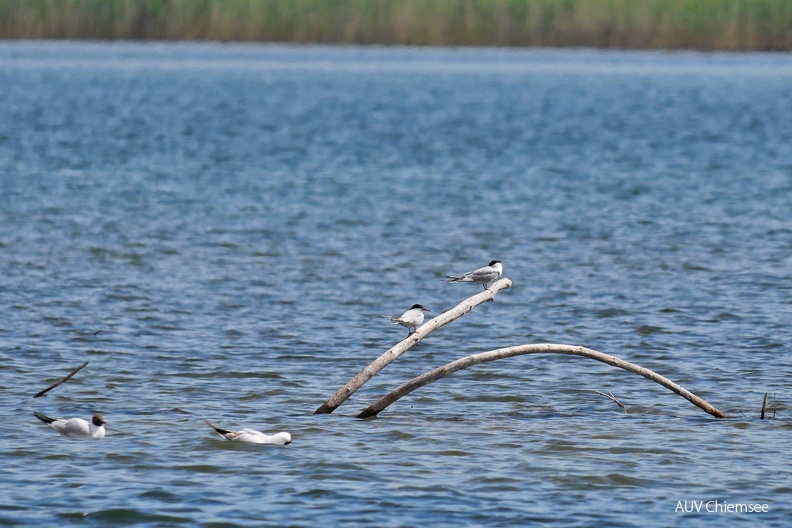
(502, 353)
(391, 355)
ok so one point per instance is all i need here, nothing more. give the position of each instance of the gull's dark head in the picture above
(98, 420)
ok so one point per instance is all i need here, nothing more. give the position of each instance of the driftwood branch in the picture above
(391, 355)
(502, 353)
(66, 378)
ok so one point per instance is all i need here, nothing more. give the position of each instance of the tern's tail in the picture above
(452, 278)
(394, 320)
(43, 417)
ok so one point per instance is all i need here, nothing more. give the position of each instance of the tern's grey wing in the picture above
(482, 274)
(412, 317)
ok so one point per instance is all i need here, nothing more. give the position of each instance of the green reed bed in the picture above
(668, 24)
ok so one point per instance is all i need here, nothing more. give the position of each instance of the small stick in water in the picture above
(72, 373)
(610, 396)
(764, 407)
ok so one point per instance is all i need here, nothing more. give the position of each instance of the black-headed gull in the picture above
(251, 436)
(76, 427)
(483, 276)
(410, 319)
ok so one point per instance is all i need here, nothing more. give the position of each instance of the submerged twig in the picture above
(610, 396)
(391, 355)
(502, 353)
(68, 376)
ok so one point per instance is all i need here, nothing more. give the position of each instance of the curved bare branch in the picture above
(502, 353)
(391, 355)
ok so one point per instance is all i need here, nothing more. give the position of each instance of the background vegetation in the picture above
(669, 24)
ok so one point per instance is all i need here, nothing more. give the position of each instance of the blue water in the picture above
(218, 228)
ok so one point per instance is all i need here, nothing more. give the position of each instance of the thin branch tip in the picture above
(611, 397)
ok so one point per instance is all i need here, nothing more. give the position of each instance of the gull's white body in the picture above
(411, 318)
(76, 427)
(482, 276)
(251, 436)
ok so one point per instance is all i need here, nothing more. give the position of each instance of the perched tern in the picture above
(483, 276)
(251, 436)
(76, 427)
(410, 319)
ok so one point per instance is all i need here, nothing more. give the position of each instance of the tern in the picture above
(483, 276)
(76, 427)
(410, 319)
(251, 436)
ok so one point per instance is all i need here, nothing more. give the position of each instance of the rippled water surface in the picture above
(217, 229)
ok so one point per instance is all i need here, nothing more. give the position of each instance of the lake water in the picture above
(218, 228)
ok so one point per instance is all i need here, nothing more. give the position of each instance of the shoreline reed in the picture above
(710, 25)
